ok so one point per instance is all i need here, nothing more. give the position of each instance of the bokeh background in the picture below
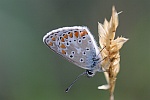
(30, 71)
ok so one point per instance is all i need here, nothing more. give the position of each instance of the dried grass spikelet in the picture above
(110, 51)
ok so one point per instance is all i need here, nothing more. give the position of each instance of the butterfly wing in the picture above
(76, 44)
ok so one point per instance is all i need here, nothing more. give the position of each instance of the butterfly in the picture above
(77, 45)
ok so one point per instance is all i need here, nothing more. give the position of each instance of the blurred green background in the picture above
(30, 71)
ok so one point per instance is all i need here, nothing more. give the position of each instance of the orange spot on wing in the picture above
(76, 34)
(66, 36)
(63, 46)
(83, 33)
(63, 52)
(50, 44)
(70, 34)
(62, 39)
(53, 39)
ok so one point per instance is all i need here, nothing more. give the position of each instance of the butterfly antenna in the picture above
(67, 90)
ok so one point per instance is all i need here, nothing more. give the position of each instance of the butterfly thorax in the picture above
(94, 67)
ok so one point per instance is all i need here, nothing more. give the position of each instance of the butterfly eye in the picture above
(90, 73)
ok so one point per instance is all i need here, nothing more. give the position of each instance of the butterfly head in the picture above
(90, 73)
